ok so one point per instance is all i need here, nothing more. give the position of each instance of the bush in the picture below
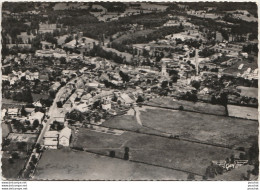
(126, 156)
(191, 177)
(112, 153)
(15, 155)
(10, 160)
(181, 108)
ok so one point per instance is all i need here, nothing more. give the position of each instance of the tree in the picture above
(195, 84)
(21, 145)
(223, 99)
(35, 123)
(15, 155)
(124, 76)
(34, 159)
(32, 165)
(10, 160)
(164, 84)
(63, 60)
(139, 99)
(23, 112)
(18, 125)
(191, 177)
(112, 153)
(59, 104)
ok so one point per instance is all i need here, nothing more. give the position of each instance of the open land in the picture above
(159, 151)
(189, 125)
(78, 165)
(133, 35)
(11, 170)
(248, 91)
(243, 112)
(8, 103)
(169, 102)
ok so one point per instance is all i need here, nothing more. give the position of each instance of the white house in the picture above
(64, 137)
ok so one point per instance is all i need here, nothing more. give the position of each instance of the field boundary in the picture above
(226, 115)
(168, 135)
(135, 161)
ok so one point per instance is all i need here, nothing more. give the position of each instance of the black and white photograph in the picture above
(129, 91)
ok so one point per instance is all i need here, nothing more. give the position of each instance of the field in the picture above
(37, 97)
(159, 151)
(30, 139)
(9, 103)
(78, 165)
(5, 129)
(128, 56)
(11, 171)
(234, 68)
(201, 107)
(248, 91)
(133, 36)
(243, 112)
(189, 125)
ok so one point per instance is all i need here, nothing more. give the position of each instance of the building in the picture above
(51, 139)
(64, 137)
(219, 37)
(47, 28)
(13, 111)
(26, 38)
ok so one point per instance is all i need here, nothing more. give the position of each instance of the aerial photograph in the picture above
(129, 91)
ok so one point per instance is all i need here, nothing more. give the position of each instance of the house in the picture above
(84, 44)
(13, 111)
(64, 137)
(46, 45)
(221, 163)
(26, 38)
(51, 139)
(47, 28)
(36, 116)
(125, 99)
(43, 77)
(219, 37)
(55, 86)
(3, 113)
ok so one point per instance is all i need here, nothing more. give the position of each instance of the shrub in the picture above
(112, 153)
(15, 155)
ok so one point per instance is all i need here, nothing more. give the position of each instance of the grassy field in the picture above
(128, 56)
(5, 129)
(11, 171)
(207, 128)
(187, 105)
(77, 165)
(248, 91)
(150, 149)
(133, 36)
(234, 68)
(243, 112)
(195, 126)
(9, 103)
(37, 97)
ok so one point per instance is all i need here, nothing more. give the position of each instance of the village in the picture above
(64, 89)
